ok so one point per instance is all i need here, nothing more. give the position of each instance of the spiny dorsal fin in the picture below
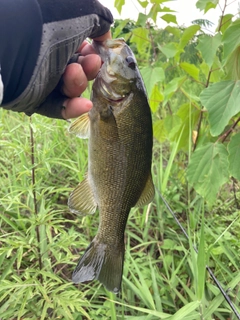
(81, 126)
(147, 194)
(81, 200)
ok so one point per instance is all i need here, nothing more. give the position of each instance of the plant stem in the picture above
(221, 18)
(34, 195)
(227, 133)
(152, 41)
(201, 114)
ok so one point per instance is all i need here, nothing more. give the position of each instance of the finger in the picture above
(75, 107)
(91, 65)
(75, 80)
(85, 43)
(104, 37)
(86, 49)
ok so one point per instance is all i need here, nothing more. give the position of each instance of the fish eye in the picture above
(131, 62)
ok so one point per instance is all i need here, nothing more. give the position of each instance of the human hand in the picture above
(52, 87)
(76, 77)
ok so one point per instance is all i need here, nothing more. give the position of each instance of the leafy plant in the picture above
(191, 67)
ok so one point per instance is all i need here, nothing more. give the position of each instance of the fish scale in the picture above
(119, 128)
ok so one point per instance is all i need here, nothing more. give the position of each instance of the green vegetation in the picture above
(192, 80)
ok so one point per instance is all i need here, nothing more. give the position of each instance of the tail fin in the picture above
(102, 262)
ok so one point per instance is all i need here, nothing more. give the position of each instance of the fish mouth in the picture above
(110, 95)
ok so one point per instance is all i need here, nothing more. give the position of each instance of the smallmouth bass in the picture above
(119, 128)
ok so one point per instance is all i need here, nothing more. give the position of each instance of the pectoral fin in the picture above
(147, 194)
(81, 126)
(81, 200)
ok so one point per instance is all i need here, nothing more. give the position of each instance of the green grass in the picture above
(41, 242)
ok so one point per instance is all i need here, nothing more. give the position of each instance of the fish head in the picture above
(119, 73)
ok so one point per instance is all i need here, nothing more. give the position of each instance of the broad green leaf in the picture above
(143, 3)
(188, 35)
(169, 18)
(208, 170)
(165, 128)
(234, 156)
(222, 100)
(191, 69)
(118, 4)
(190, 95)
(231, 40)
(118, 30)
(217, 73)
(168, 244)
(140, 38)
(151, 76)
(169, 50)
(225, 22)
(159, 130)
(155, 98)
(166, 9)
(189, 116)
(205, 69)
(154, 12)
(206, 4)
(175, 31)
(233, 65)
(156, 8)
(172, 87)
(142, 18)
(208, 46)
(173, 126)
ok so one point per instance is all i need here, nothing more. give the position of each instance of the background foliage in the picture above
(192, 79)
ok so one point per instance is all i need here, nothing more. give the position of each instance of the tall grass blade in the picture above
(168, 169)
(8, 267)
(185, 311)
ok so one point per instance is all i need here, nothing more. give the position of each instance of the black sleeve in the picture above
(20, 37)
(37, 39)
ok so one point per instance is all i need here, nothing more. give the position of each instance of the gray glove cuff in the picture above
(60, 40)
(55, 98)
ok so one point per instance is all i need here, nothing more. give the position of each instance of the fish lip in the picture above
(118, 100)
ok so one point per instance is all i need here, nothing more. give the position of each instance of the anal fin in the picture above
(81, 200)
(147, 194)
